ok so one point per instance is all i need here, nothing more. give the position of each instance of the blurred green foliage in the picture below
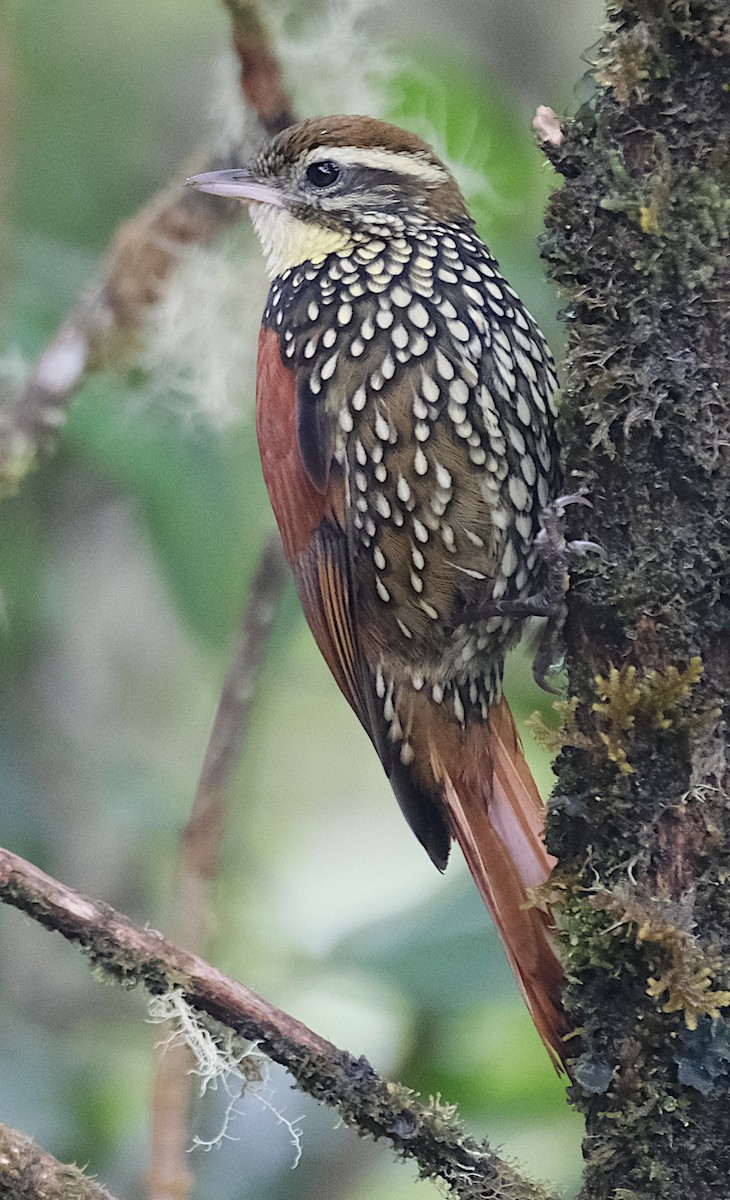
(123, 565)
(199, 495)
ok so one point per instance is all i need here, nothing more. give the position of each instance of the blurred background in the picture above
(124, 562)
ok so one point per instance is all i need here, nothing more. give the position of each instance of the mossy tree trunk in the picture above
(638, 240)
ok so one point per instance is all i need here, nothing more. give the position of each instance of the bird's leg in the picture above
(556, 554)
(549, 602)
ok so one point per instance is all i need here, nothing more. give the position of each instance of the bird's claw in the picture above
(549, 602)
(560, 503)
(550, 540)
(556, 554)
(545, 664)
(579, 548)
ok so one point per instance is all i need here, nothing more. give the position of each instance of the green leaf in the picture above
(504, 169)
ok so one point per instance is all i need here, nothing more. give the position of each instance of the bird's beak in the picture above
(239, 184)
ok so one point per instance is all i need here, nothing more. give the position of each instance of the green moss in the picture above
(638, 239)
(555, 737)
(628, 695)
(686, 971)
(632, 61)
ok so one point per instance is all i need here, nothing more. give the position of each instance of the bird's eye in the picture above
(323, 174)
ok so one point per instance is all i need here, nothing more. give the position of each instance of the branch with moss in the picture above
(427, 1133)
(29, 1173)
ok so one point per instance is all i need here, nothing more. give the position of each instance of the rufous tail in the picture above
(496, 816)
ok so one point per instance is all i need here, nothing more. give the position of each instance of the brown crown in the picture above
(366, 133)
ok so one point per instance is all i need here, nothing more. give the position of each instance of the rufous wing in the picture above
(308, 501)
(307, 491)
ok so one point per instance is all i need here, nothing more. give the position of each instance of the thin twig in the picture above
(236, 702)
(260, 70)
(29, 1173)
(426, 1133)
(104, 326)
(169, 1174)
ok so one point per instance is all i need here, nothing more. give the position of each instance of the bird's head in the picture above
(322, 185)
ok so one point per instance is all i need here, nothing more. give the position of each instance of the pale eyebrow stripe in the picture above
(379, 158)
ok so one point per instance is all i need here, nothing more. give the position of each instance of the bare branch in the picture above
(105, 324)
(261, 83)
(169, 1173)
(236, 702)
(29, 1173)
(426, 1133)
(103, 327)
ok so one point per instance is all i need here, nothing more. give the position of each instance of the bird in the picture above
(406, 428)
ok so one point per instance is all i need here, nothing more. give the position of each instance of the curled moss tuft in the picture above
(686, 971)
(628, 695)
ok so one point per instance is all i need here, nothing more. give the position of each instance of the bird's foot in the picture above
(556, 554)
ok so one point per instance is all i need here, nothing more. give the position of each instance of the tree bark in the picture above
(638, 239)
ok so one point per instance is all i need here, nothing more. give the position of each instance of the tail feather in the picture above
(496, 816)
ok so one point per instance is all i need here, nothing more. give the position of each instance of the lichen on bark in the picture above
(638, 238)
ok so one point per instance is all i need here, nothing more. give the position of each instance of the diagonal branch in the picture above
(235, 706)
(426, 1133)
(105, 325)
(29, 1173)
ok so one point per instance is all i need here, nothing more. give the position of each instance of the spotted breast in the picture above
(436, 389)
(406, 430)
